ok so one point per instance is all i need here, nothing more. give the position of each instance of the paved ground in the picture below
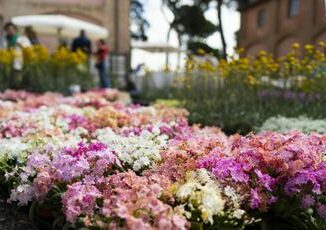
(14, 218)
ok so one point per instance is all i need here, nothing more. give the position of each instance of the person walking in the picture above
(102, 54)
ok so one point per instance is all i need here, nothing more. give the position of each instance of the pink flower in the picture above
(80, 199)
(42, 184)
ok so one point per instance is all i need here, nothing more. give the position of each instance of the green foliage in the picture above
(190, 22)
(241, 94)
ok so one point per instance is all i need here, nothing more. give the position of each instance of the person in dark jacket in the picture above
(82, 43)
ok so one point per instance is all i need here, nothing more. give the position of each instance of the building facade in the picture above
(274, 25)
(112, 14)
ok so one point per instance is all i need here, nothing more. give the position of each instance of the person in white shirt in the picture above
(13, 40)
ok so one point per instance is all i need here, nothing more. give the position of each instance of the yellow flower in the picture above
(201, 51)
(295, 45)
(6, 57)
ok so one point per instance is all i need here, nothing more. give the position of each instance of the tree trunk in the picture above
(167, 58)
(179, 54)
(221, 31)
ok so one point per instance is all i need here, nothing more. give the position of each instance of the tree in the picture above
(220, 28)
(190, 23)
(203, 28)
(139, 23)
(219, 7)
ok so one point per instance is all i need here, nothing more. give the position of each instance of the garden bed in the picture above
(90, 161)
(240, 94)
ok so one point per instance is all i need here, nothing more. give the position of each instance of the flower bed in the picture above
(43, 71)
(243, 92)
(89, 161)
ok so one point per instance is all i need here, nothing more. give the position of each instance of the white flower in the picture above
(212, 203)
(238, 213)
(23, 194)
(14, 148)
(201, 193)
(185, 191)
(139, 152)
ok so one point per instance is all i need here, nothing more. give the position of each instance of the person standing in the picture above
(102, 55)
(13, 41)
(82, 43)
(31, 35)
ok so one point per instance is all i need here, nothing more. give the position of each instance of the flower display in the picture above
(90, 161)
(241, 92)
(43, 71)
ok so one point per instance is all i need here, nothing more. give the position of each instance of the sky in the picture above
(159, 28)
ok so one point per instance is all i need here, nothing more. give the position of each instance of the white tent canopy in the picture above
(60, 25)
(156, 47)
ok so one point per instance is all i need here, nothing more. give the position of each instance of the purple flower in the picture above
(167, 131)
(294, 184)
(322, 210)
(37, 160)
(266, 180)
(97, 146)
(238, 175)
(255, 200)
(272, 200)
(220, 168)
(307, 201)
(68, 167)
(82, 149)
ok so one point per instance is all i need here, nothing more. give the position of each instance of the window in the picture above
(293, 8)
(261, 18)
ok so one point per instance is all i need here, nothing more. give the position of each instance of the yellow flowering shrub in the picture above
(35, 54)
(242, 92)
(43, 71)
(6, 57)
(306, 64)
(64, 56)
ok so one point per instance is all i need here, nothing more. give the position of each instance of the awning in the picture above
(61, 25)
(156, 47)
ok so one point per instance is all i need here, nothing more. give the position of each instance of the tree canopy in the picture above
(190, 23)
